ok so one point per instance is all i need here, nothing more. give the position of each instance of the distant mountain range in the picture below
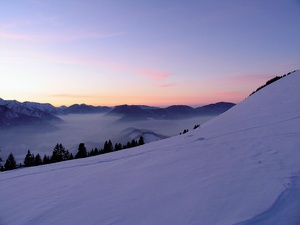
(133, 112)
(14, 113)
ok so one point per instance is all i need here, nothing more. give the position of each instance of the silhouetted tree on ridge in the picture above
(29, 159)
(108, 146)
(59, 153)
(10, 162)
(196, 126)
(46, 159)
(141, 140)
(82, 153)
(38, 160)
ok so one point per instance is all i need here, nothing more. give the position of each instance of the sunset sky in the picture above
(111, 52)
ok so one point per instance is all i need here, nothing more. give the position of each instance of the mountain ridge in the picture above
(47, 113)
(133, 112)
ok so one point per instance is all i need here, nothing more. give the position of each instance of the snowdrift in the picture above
(240, 168)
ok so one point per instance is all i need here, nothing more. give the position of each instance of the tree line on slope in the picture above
(60, 154)
(272, 81)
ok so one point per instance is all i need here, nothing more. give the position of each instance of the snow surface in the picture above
(240, 168)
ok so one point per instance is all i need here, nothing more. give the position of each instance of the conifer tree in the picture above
(105, 147)
(82, 153)
(59, 153)
(185, 131)
(141, 140)
(10, 163)
(38, 160)
(118, 146)
(110, 146)
(128, 145)
(133, 143)
(96, 151)
(196, 126)
(46, 159)
(71, 156)
(66, 155)
(29, 159)
(91, 153)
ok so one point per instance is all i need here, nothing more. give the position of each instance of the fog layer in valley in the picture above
(91, 129)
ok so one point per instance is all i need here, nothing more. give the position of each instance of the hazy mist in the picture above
(91, 129)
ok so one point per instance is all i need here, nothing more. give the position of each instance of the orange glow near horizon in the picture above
(138, 100)
(145, 93)
(50, 54)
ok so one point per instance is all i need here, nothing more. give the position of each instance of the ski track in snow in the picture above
(285, 210)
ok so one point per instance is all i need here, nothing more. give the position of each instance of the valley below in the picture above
(92, 129)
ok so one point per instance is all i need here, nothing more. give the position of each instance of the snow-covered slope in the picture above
(239, 168)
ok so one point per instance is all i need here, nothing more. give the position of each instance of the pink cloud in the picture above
(152, 74)
(57, 37)
(147, 73)
(116, 66)
(6, 35)
(166, 85)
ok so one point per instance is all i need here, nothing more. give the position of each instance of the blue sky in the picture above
(144, 52)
